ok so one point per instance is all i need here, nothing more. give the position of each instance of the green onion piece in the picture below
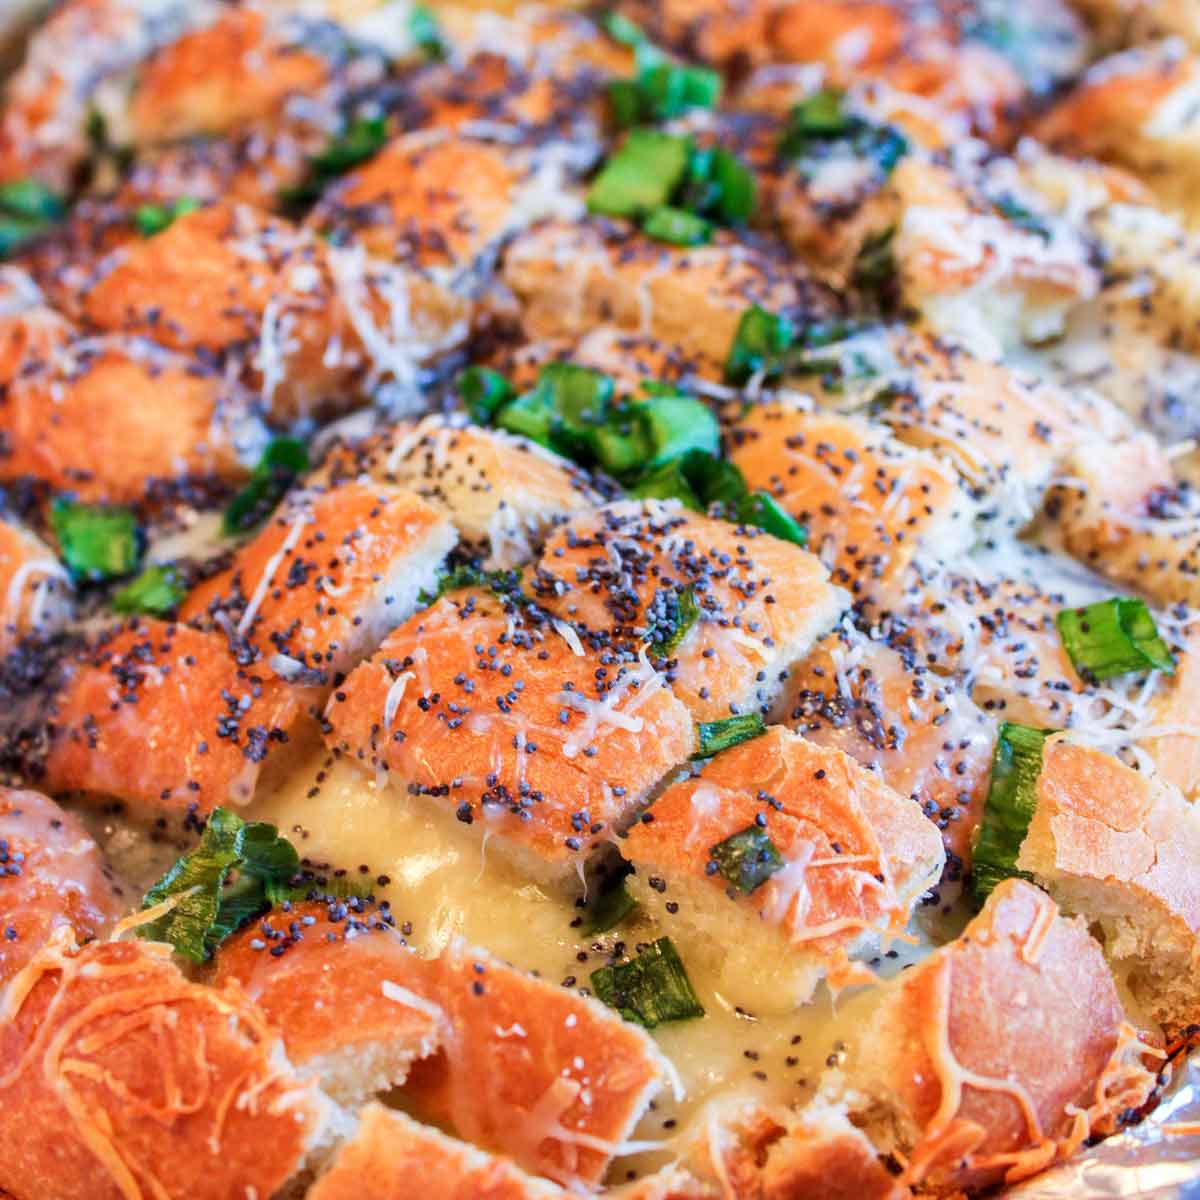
(283, 460)
(29, 198)
(359, 142)
(821, 128)
(874, 266)
(760, 339)
(669, 89)
(625, 103)
(426, 34)
(668, 482)
(678, 425)
(671, 615)
(622, 447)
(1113, 637)
(1009, 808)
(649, 989)
(762, 510)
(532, 416)
(1023, 218)
(96, 542)
(505, 584)
(158, 589)
(714, 736)
(736, 188)
(611, 903)
(484, 392)
(640, 176)
(678, 227)
(27, 208)
(747, 859)
(565, 410)
(154, 218)
(622, 29)
(212, 907)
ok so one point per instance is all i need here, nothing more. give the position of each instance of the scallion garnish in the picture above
(484, 392)
(762, 338)
(27, 208)
(154, 218)
(1025, 219)
(359, 142)
(677, 226)
(1009, 808)
(505, 584)
(1113, 637)
(747, 859)
(211, 906)
(96, 542)
(650, 989)
(762, 510)
(159, 589)
(640, 176)
(677, 425)
(282, 461)
(714, 736)
(662, 88)
(670, 617)
(426, 34)
(820, 128)
(610, 904)
(874, 267)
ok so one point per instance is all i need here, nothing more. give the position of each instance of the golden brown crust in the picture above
(1003, 1050)
(542, 747)
(119, 1079)
(330, 573)
(391, 1155)
(52, 876)
(116, 424)
(869, 508)
(855, 854)
(163, 717)
(500, 491)
(35, 589)
(616, 571)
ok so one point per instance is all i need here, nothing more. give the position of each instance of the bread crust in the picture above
(119, 1079)
(163, 717)
(54, 878)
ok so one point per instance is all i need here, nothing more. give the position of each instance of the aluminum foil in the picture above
(1145, 1161)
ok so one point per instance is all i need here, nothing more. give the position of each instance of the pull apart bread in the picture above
(595, 602)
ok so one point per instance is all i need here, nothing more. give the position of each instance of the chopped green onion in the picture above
(671, 616)
(96, 542)
(747, 859)
(714, 736)
(426, 34)
(282, 461)
(611, 904)
(484, 392)
(1113, 637)
(640, 176)
(154, 218)
(622, 29)
(668, 90)
(505, 584)
(668, 482)
(623, 446)
(676, 426)
(1009, 808)
(27, 208)
(875, 266)
(532, 416)
(735, 186)
(1023, 218)
(650, 989)
(761, 338)
(761, 509)
(625, 102)
(677, 226)
(359, 142)
(211, 907)
(158, 589)
(820, 128)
